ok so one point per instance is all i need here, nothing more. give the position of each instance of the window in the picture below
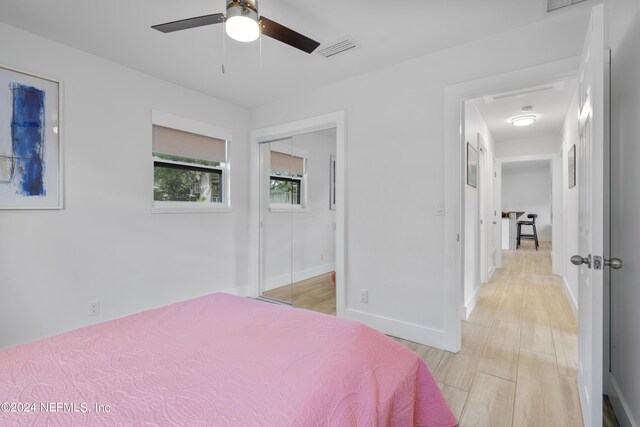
(190, 170)
(285, 190)
(288, 179)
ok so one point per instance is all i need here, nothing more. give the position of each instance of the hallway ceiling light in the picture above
(525, 120)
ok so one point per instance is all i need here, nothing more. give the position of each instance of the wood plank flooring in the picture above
(316, 293)
(519, 349)
(518, 362)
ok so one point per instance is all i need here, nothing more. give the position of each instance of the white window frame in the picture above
(187, 125)
(282, 147)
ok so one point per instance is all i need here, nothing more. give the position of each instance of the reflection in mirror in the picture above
(298, 232)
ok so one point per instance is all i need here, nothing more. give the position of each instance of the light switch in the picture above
(439, 208)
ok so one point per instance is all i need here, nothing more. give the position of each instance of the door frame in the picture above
(483, 253)
(335, 120)
(455, 180)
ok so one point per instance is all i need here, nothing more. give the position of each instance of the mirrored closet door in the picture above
(297, 244)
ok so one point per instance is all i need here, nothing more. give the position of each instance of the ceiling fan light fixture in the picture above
(242, 23)
(525, 120)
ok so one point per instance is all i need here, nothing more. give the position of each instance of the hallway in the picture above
(518, 364)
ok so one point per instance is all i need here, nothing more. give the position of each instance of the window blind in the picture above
(287, 163)
(186, 144)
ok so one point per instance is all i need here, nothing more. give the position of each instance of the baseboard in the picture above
(234, 291)
(492, 270)
(470, 305)
(285, 279)
(620, 405)
(398, 328)
(572, 299)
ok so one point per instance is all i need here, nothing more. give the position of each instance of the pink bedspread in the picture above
(220, 360)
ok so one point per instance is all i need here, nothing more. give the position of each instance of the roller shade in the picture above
(186, 144)
(287, 163)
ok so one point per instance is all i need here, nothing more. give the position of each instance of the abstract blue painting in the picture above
(30, 157)
(27, 136)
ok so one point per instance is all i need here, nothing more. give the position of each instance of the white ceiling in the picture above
(550, 104)
(387, 32)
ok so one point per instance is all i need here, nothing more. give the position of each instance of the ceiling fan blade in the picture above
(185, 24)
(285, 35)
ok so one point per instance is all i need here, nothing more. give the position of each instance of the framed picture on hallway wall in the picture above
(30, 146)
(472, 166)
(572, 166)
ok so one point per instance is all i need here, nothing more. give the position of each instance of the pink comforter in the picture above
(220, 360)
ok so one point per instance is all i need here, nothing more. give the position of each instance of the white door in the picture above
(590, 181)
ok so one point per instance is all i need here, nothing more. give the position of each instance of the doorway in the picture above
(590, 103)
(524, 306)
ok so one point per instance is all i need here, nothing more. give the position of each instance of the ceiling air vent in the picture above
(559, 4)
(340, 46)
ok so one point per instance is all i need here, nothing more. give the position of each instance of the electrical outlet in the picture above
(94, 308)
(364, 296)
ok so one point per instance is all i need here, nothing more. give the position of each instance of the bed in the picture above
(219, 360)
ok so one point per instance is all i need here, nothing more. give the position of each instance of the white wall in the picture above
(529, 190)
(548, 144)
(301, 245)
(106, 245)
(625, 205)
(396, 118)
(474, 261)
(570, 137)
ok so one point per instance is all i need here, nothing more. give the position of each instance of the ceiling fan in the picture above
(243, 23)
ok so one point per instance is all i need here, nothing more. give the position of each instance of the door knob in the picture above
(615, 263)
(578, 260)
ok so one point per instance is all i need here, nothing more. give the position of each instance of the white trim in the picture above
(454, 174)
(192, 126)
(179, 208)
(233, 291)
(492, 270)
(620, 405)
(533, 157)
(285, 208)
(298, 276)
(471, 304)
(398, 328)
(572, 299)
(286, 130)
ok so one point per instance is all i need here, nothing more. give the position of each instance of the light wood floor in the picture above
(518, 362)
(317, 294)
